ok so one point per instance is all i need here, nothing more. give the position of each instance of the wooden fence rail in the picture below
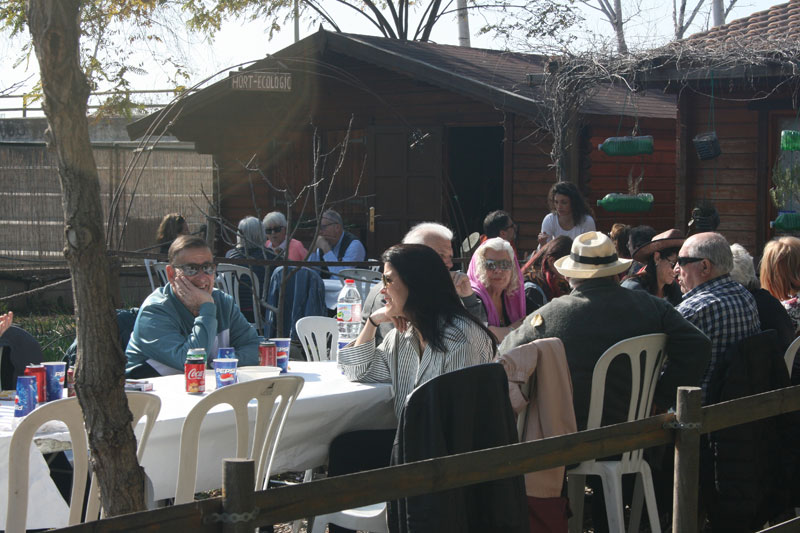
(327, 495)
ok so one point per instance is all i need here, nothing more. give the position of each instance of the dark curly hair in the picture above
(580, 208)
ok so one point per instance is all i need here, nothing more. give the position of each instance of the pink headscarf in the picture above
(514, 302)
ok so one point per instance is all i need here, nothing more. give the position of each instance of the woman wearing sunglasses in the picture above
(497, 280)
(434, 333)
(658, 275)
(275, 229)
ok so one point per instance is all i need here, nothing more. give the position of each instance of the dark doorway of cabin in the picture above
(475, 172)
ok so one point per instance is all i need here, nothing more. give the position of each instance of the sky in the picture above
(240, 41)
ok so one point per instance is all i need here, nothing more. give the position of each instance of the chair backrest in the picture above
(69, 412)
(141, 405)
(228, 279)
(363, 277)
(160, 270)
(790, 354)
(646, 355)
(274, 397)
(148, 267)
(316, 334)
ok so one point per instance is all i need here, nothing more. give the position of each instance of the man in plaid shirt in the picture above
(719, 306)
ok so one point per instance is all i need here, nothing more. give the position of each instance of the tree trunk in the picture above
(717, 12)
(619, 29)
(100, 364)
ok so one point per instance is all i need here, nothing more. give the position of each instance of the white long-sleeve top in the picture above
(397, 359)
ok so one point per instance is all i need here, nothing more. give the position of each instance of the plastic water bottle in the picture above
(348, 311)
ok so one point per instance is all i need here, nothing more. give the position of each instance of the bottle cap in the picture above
(350, 281)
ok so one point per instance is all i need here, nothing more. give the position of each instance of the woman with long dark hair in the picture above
(433, 334)
(570, 214)
(658, 274)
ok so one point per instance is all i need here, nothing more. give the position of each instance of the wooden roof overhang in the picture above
(497, 78)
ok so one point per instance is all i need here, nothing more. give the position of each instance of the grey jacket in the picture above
(598, 314)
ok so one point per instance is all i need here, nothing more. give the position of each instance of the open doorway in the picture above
(475, 177)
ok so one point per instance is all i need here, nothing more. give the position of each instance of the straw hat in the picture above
(592, 256)
(669, 239)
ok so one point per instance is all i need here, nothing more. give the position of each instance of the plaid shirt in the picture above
(725, 311)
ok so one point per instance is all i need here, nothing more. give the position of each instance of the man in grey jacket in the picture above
(439, 238)
(597, 314)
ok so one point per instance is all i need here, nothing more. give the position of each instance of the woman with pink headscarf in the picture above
(497, 280)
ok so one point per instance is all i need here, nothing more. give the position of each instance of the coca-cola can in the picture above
(195, 373)
(70, 383)
(267, 354)
(39, 372)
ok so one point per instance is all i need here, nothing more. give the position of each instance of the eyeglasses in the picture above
(683, 261)
(515, 227)
(276, 229)
(502, 264)
(193, 269)
(386, 281)
(329, 224)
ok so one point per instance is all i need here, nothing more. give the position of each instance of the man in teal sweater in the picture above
(187, 313)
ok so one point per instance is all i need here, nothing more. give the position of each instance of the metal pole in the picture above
(687, 460)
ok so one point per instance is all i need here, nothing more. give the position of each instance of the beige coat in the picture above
(543, 403)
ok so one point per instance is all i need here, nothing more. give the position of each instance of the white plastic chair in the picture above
(274, 397)
(69, 412)
(148, 267)
(646, 355)
(316, 333)
(363, 277)
(368, 518)
(160, 270)
(790, 354)
(141, 405)
(228, 279)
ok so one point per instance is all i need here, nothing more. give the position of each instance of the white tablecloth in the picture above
(327, 406)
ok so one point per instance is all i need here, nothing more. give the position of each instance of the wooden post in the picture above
(238, 499)
(687, 460)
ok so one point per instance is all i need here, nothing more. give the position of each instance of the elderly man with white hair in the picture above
(439, 238)
(275, 227)
(719, 306)
(599, 313)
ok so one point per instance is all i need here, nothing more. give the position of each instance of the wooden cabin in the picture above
(435, 132)
(740, 81)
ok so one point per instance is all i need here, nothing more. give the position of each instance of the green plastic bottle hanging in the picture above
(639, 145)
(790, 140)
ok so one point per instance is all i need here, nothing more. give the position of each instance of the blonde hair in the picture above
(780, 267)
(498, 244)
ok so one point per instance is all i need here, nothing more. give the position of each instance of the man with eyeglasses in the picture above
(499, 224)
(334, 244)
(187, 313)
(720, 307)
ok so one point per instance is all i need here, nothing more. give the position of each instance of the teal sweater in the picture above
(165, 330)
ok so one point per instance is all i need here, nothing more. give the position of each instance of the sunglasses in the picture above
(276, 229)
(683, 261)
(386, 281)
(503, 264)
(192, 269)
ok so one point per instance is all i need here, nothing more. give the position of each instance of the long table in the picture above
(327, 406)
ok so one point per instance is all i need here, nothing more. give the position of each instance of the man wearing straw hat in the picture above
(597, 314)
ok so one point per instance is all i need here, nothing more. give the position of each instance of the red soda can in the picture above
(267, 354)
(39, 372)
(195, 373)
(70, 383)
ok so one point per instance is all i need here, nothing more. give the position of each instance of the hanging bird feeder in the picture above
(633, 202)
(707, 146)
(631, 145)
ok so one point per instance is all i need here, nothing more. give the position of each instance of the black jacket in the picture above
(749, 470)
(457, 412)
